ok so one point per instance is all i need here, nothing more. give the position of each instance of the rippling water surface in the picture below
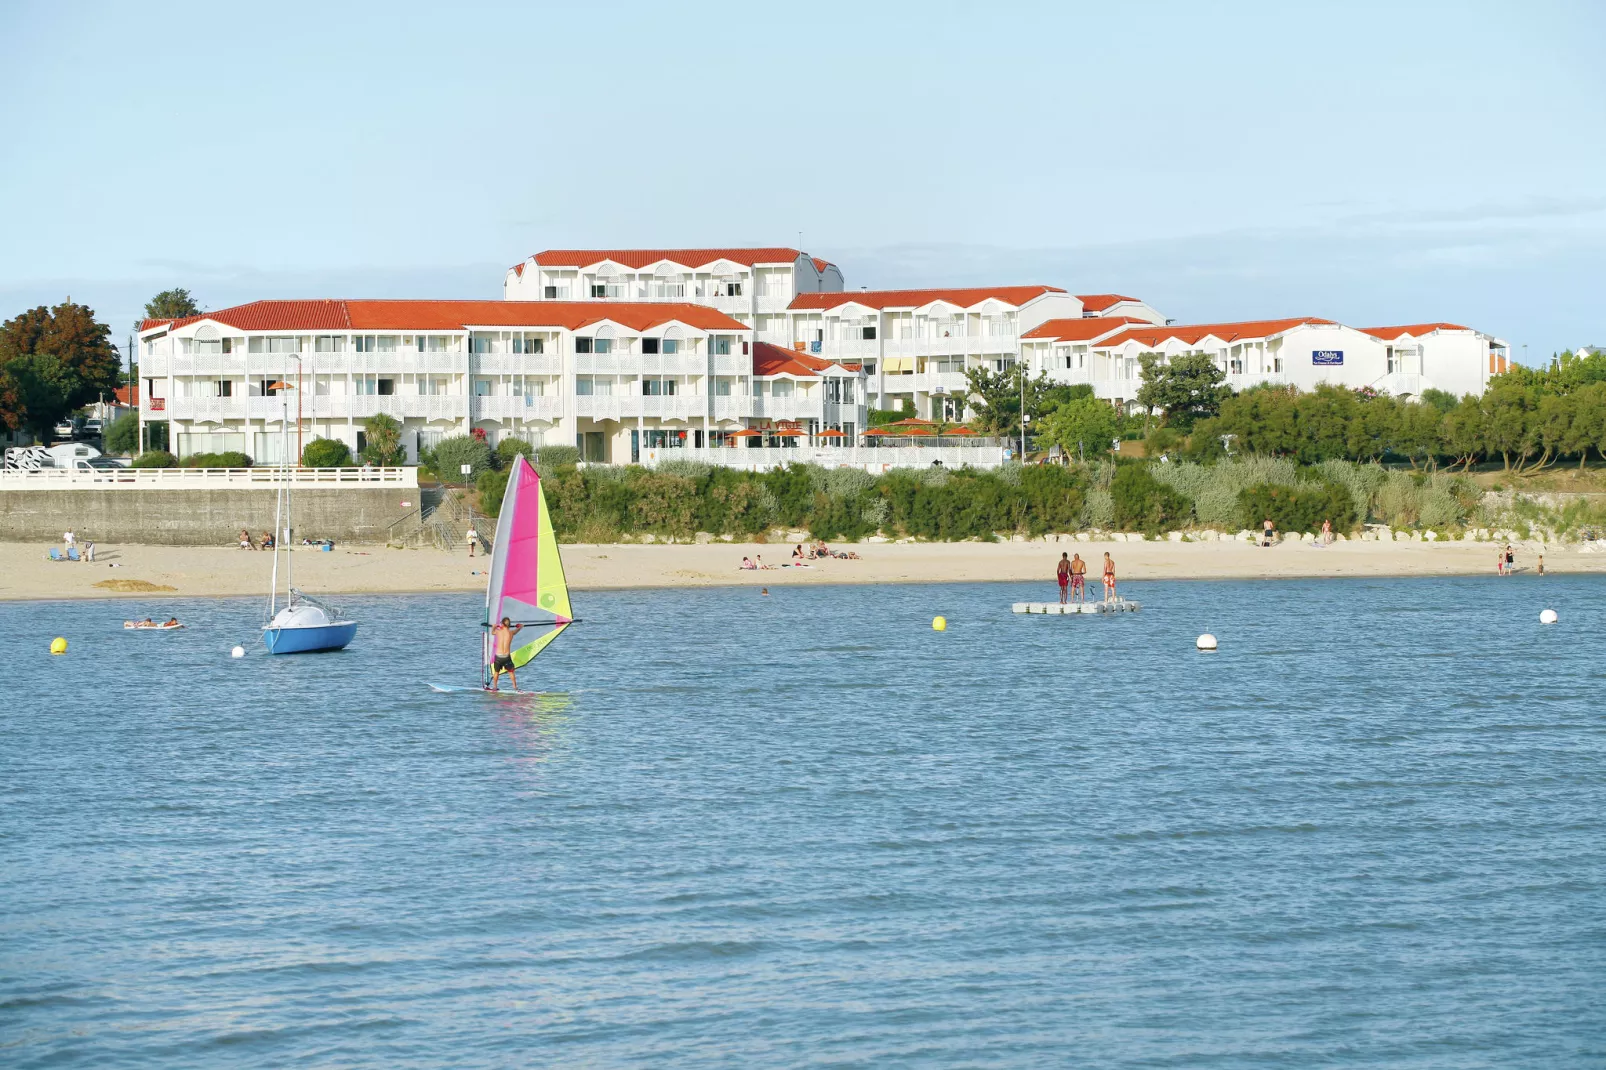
(808, 829)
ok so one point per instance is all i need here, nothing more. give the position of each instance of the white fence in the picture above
(204, 478)
(871, 458)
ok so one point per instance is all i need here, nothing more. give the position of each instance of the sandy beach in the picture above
(179, 571)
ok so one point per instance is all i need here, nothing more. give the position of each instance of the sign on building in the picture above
(1329, 357)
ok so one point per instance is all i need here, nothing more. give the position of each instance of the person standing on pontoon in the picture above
(1109, 577)
(1063, 574)
(1079, 577)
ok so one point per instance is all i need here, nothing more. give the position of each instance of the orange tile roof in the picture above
(964, 297)
(640, 258)
(1084, 329)
(820, 265)
(1227, 332)
(774, 360)
(127, 395)
(1415, 330)
(457, 315)
(1100, 302)
(518, 269)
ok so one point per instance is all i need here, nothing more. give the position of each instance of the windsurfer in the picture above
(503, 635)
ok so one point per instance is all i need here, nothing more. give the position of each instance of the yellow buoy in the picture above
(939, 624)
(58, 645)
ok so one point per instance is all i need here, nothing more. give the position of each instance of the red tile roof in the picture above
(518, 269)
(1100, 302)
(640, 258)
(774, 360)
(1415, 330)
(1085, 329)
(1228, 332)
(127, 395)
(964, 297)
(820, 265)
(457, 315)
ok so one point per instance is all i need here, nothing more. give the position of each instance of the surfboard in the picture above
(452, 689)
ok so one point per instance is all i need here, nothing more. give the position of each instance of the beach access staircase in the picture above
(441, 521)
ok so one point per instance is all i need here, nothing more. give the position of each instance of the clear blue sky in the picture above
(1373, 163)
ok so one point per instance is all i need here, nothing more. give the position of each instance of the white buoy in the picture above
(237, 652)
(1205, 642)
(1548, 616)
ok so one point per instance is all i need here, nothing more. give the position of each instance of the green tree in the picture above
(171, 305)
(1083, 427)
(996, 397)
(1185, 389)
(1143, 503)
(326, 453)
(452, 453)
(122, 437)
(1463, 432)
(382, 441)
(86, 364)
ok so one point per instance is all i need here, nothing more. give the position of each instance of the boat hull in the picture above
(309, 640)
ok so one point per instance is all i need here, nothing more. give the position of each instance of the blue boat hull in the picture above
(309, 640)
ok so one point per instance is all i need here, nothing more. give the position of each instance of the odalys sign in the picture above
(1328, 357)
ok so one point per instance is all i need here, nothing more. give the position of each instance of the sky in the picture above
(1370, 163)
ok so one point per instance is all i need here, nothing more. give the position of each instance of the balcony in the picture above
(634, 406)
(517, 363)
(517, 408)
(792, 408)
(734, 407)
(998, 345)
(1401, 384)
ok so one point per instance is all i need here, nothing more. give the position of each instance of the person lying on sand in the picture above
(747, 563)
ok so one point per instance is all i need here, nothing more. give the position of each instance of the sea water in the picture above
(808, 829)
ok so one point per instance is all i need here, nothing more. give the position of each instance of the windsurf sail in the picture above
(527, 584)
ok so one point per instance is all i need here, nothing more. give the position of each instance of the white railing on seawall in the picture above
(264, 478)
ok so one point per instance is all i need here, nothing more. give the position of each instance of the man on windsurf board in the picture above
(502, 662)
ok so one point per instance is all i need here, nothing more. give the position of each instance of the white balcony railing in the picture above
(517, 408)
(870, 458)
(733, 407)
(792, 408)
(632, 406)
(517, 363)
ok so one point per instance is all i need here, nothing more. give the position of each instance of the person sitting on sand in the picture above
(245, 540)
(267, 541)
(747, 563)
(758, 560)
(797, 552)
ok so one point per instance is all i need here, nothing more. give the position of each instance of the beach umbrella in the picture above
(912, 421)
(746, 432)
(957, 431)
(917, 431)
(830, 432)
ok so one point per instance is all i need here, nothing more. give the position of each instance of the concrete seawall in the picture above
(195, 517)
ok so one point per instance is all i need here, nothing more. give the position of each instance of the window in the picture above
(730, 288)
(550, 293)
(658, 387)
(582, 345)
(671, 345)
(868, 334)
(782, 388)
(722, 387)
(848, 392)
(329, 343)
(869, 367)
(833, 390)
(480, 343)
(721, 344)
(599, 289)
(387, 386)
(364, 343)
(366, 384)
(528, 344)
(582, 385)
(602, 345)
(483, 388)
(435, 343)
(649, 345)
(223, 388)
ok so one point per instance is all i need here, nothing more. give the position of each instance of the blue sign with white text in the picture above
(1327, 356)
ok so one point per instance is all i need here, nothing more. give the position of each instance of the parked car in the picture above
(92, 428)
(64, 430)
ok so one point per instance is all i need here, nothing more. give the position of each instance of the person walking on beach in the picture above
(1327, 532)
(1079, 577)
(1499, 562)
(502, 635)
(1063, 574)
(473, 538)
(1541, 560)
(1109, 577)
(1268, 533)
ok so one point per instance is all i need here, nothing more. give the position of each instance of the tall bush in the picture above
(326, 453)
(155, 459)
(1302, 507)
(382, 440)
(1143, 503)
(122, 436)
(451, 454)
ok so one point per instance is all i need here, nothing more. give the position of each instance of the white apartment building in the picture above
(916, 345)
(1302, 352)
(751, 285)
(614, 378)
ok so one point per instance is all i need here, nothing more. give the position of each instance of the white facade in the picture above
(916, 345)
(752, 285)
(1301, 353)
(613, 379)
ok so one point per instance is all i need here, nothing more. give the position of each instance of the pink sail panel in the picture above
(521, 573)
